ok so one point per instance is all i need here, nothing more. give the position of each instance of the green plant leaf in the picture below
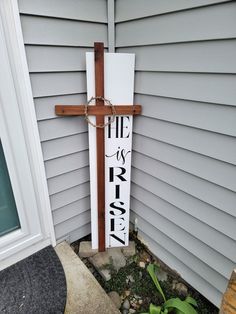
(151, 271)
(181, 306)
(191, 300)
(153, 309)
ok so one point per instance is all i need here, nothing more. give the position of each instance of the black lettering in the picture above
(118, 239)
(112, 224)
(119, 128)
(117, 191)
(109, 127)
(124, 127)
(119, 224)
(120, 176)
(122, 210)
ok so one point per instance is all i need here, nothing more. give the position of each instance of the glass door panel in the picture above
(9, 219)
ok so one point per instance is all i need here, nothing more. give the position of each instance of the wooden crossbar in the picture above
(75, 110)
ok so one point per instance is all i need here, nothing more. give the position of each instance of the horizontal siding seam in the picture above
(189, 173)
(180, 98)
(62, 18)
(177, 43)
(189, 252)
(58, 72)
(60, 137)
(174, 42)
(197, 274)
(86, 230)
(187, 126)
(68, 172)
(57, 95)
(189, 150)
(181, 171)
(170, 12)
(61, 156)
(182, 72)
(202, 200)
(195, 218)
(183, 99)
(72, 216)
(80, 199)
(170, 221)
(82, 225)
(69, 188)
(64, 155)
(176, 72)
(56, 208)
(61, 45)
(149, 174)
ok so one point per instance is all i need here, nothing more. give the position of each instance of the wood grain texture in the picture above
(74, 110)
(99, 90)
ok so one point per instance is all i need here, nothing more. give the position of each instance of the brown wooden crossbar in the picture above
(75, 110)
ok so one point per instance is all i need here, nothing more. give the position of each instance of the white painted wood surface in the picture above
(119, 82)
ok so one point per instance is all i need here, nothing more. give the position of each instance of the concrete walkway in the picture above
(84, 294)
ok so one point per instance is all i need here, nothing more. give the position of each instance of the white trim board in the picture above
(111, 25)
(9, 16)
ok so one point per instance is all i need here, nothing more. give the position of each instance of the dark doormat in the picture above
(36, 284)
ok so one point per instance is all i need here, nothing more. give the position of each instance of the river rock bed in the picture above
(132, 289)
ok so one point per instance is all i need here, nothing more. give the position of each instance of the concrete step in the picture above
(84, 294)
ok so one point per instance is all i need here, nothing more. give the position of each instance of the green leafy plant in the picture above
(173, 305)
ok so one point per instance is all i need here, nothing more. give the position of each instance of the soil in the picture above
(133, 282)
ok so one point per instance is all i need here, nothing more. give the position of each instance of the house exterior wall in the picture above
(183, 176)
(57, 34)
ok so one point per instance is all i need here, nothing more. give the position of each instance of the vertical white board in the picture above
(119, 89)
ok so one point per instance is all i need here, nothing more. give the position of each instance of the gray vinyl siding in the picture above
(57, 33)
(184, 149)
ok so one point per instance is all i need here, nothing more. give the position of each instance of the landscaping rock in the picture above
(117, 257)
(105, 261)
(85, 249)
(129, 250)
(180, 287)
(144, 256)
(142, 264)
(161, 275)
(125, 311)
(132, 311)
(115, 298)
(126, 305)
(129, 279)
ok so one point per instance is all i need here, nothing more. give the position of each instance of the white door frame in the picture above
(16, 89)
